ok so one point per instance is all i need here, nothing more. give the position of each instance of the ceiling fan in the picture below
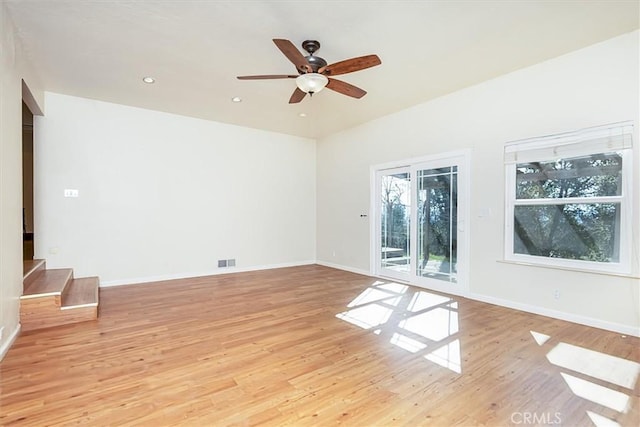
(313, 72)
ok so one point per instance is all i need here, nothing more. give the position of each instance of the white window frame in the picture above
(615, 137)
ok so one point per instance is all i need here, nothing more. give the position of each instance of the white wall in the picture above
(13, 69)
(593, 86)
(165, 196)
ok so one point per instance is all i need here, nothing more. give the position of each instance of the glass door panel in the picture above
(394, 221)
(437, 223)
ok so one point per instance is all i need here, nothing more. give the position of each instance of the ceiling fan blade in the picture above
(350, 65)
(275, 76)
(297, 96)
(346, 88)
(293, 54)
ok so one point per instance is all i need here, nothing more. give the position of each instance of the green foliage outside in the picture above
(562, 229)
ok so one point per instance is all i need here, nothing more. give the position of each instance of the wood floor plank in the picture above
(81, 292)
(31, 267)
(49, 282)
(304, 346)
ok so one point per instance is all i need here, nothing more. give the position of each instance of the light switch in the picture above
(69, 192)
(485, 213)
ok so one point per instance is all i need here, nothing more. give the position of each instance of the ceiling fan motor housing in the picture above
(315, 62)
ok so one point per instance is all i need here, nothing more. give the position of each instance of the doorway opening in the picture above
(27, 184)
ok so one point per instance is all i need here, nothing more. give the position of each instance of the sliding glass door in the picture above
(437, 223)
(394, 204)
(419, 223)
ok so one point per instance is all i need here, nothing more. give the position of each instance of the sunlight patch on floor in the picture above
(435, 324)
(601, 421)
(423, 325)
(595, 364)
(371, 295)
(597, 394)
(423, 300)
(447, 356)
(407, 343)
(366, 316)
(540, 338)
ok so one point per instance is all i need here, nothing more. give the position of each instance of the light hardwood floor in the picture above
(315, 346)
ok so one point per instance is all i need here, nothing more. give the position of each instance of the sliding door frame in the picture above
(460, 158)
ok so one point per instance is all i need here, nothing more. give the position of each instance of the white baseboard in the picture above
(9, 342)
(343, 267)
(225, 270)
(561, 315)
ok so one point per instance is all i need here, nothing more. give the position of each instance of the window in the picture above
(568, 199)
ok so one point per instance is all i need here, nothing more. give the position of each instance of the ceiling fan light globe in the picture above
(311, 82)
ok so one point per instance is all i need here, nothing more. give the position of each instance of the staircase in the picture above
(53, 297)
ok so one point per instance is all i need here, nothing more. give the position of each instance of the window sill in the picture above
(578, 270)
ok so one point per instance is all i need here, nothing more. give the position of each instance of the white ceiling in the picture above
(195, 49)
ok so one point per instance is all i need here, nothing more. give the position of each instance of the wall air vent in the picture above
(226, 263)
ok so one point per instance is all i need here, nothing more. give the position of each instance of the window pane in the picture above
(588, 232)
(395, 232)
(597, 175)
(437, 223)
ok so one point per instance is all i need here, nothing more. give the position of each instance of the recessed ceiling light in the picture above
(236, 99)
(302, 114)
(148, 80)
